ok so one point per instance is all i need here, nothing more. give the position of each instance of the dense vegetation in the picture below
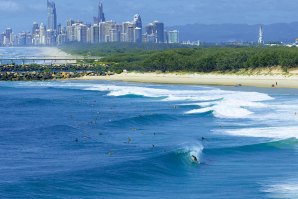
(106, 49)
(163, 58)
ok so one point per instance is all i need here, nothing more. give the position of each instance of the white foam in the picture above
(269, 132)
(231, 106)
(223, 104)
(283, 190)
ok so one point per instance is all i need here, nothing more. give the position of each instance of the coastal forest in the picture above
(182, 58)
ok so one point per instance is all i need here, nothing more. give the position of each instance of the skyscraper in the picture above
(52, 16)
(138, 31)
(173, 36)
(261, 35)
(138, 35)
(81, 33)
(8, 37)
(158, 28)
(42, 34)
(95, 34)
(125, 26)
(137, 21)
(101, 16)
(35, 28)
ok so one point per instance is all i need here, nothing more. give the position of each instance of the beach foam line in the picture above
(223, 104)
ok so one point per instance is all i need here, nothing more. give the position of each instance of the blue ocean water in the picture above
(97, 139)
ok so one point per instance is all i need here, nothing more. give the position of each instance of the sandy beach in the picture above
(266, 81)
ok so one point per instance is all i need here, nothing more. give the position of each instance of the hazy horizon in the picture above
(20, 15)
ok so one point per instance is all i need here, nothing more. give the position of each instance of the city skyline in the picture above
(100, 31)
(23, 13)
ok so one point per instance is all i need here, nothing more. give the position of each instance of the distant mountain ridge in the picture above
(284, 32)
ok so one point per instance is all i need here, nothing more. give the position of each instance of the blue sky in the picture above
(20, 14)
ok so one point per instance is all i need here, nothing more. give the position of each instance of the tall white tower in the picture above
(261, 35)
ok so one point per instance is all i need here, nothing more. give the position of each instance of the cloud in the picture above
(8, 6)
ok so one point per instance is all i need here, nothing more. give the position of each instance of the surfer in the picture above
(194, 158)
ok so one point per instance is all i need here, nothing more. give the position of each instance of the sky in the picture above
(20, 14)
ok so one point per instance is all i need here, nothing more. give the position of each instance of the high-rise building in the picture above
(138, 35)
(138, 31)
(59, 28)
(137, 21)
(22, 39)
(154, 32)
(95, 34)
(131, 34)
(81, 33)
(101, 16)
(35, 28)
(61, 39)
(50, 37)
(150, 29)
(52, 16)
(173, 36)
(105, 30)
(114, 35)
(261, 35)
(42, 34)
(125, 26)
(158, 29)
(7, 41)
(2, 37)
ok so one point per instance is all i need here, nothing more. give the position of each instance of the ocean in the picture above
(98, 139)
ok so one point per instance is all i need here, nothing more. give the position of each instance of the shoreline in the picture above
(263, 81)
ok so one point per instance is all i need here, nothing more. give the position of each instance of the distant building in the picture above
(78, 31)
(101, 16)
(114, 35)
(138, 35)
(109, 31)
(173, 36)
(61, 39)
(130, 33)
(8, 37)
(50, 37)
(42, 35)
(35, 28)
(137, 21)
(138, 28)
(155, 32)
(2, 37)
(158, 28)
(125, 26)
(52, 16)
(81, 33)
(261, 35)
(95, 34)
